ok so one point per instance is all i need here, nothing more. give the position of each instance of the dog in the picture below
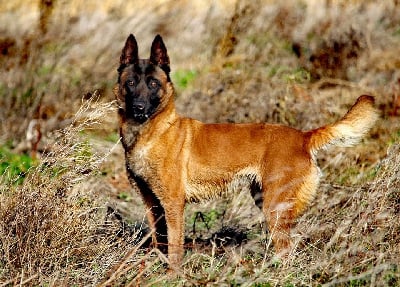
(173, 160)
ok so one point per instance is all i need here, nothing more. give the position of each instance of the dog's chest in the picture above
(138, 161)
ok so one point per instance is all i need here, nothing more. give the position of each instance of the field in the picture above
(68, 216)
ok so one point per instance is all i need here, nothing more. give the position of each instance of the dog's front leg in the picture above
(174, 211)
(156, 219)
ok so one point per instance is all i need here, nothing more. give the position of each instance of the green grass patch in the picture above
(125, 196)
(182, 78)
(14, 167)
(298, 75)
(112, 137)
(397, 32)
(394, 138)
(205, 220)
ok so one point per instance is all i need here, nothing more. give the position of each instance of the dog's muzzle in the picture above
(139, 112)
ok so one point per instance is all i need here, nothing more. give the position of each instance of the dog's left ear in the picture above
(159, 54)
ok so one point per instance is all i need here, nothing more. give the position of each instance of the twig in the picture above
(371, 272)
(127, 257)
(340, 82)
(28, 280)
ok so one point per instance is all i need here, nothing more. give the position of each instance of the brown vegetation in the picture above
(69, 217)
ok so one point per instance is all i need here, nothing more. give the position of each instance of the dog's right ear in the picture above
(130, 54)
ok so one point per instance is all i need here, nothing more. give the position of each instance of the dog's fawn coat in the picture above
(173, 160)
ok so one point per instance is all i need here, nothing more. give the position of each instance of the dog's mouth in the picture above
(140, 117)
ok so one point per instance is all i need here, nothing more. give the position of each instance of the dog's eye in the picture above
(153, 84)
(130, 83)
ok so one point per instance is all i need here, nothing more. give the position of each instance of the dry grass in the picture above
(51, 224)
(75, 220)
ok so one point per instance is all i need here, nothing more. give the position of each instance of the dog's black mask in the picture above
(142, 92)
(140, 84)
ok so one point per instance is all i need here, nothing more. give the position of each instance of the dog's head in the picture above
(144, 86)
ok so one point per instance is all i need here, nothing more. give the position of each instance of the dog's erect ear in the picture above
(159, 54)
(130, 54)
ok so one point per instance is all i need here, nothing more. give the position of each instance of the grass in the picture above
(71, 218)
(182, 78)
(14, 167)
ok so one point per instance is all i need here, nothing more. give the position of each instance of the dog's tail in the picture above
(347, 131)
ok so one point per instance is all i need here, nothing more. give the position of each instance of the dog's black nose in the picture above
(138, 106)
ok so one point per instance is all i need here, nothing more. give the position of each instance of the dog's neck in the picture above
(132, 131)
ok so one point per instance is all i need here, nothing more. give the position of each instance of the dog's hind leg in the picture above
(289, 181)
(280, 220)
(277, 205)
(279, 210)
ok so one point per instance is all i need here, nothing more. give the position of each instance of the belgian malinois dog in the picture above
(173, 160)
